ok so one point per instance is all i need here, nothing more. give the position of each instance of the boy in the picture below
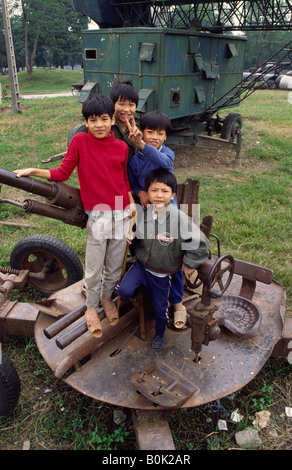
(167, 239)
(101, 163)
(125, 98)
(154, 128)
(152, 153)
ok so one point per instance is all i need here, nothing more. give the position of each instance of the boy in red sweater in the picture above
(101, 162)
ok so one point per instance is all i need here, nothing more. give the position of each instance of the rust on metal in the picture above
(203, 326)
(63, 202)
(65, 321)
(225, 365)
(239, 315)
(12, 279)
(162, 385)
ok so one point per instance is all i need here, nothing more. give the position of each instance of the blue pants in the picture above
(158, 290)
(177, 287)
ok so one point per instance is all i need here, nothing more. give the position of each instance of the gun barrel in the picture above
(68, 216)
(27, 184)
(56, 193)
(64, 195)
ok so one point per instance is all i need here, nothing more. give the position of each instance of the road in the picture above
(31, 96)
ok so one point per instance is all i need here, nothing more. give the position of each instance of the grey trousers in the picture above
(105, 252)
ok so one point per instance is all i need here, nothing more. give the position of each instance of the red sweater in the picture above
(101, 169)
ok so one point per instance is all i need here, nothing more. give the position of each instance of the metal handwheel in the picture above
(224, 264)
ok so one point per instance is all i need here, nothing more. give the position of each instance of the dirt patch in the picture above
(193, 161)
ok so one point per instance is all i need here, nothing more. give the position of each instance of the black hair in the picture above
(125, 91)
(155, 120)
(97, 105)
(160, 175)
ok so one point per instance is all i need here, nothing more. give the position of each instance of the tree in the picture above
(261, 45)
(29, 17)
(3, 61)
(51, 28)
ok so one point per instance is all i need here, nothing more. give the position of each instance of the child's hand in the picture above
(23, 172)
(33, 172)
(135, 135)
(143, 196)
(130, 237)
(133, 209)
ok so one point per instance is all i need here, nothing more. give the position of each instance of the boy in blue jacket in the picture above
(152, 153)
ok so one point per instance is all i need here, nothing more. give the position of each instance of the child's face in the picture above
(154, 137)
(100, 126)
(159, 194)
(124, 109)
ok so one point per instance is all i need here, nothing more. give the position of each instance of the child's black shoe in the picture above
(158, 342)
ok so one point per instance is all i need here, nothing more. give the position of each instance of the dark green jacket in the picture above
(120, 135)
(165, 244)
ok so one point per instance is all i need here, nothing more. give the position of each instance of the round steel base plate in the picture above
(225, 365)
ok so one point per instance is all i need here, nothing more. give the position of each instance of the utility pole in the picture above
(15, 96)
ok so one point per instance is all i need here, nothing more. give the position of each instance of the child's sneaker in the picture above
(158, 342)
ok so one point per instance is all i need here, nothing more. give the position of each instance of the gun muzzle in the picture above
(70, 210)
(68, 216)
(56, 193)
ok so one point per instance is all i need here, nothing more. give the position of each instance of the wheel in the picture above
(75, 91)
(232, 126)
(224, 265)
(61, 264)
(9, 386)
(76, 130)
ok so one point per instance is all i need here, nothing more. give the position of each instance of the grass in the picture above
(44, 80)
(252, 217)
(252, 205)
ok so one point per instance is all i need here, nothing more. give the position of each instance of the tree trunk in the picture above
(29, 62)
(25, 37)
(30, 67)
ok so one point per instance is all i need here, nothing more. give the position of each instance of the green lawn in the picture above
(251, 207)
(44, 80)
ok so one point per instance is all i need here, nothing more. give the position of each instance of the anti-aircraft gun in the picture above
(236, 320)
(236, 310)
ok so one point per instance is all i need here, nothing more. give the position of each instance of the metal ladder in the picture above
(15, 95)
(246, 87)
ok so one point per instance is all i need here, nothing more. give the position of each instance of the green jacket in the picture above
(120, 135)
(165, 244)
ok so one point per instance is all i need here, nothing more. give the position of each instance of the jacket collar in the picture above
(162, 218)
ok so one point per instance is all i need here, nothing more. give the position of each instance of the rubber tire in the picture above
(9, 386)
(232, 122)
(56, 248)
(76, 130)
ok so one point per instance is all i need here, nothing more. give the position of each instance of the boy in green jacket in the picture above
(167, 239)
